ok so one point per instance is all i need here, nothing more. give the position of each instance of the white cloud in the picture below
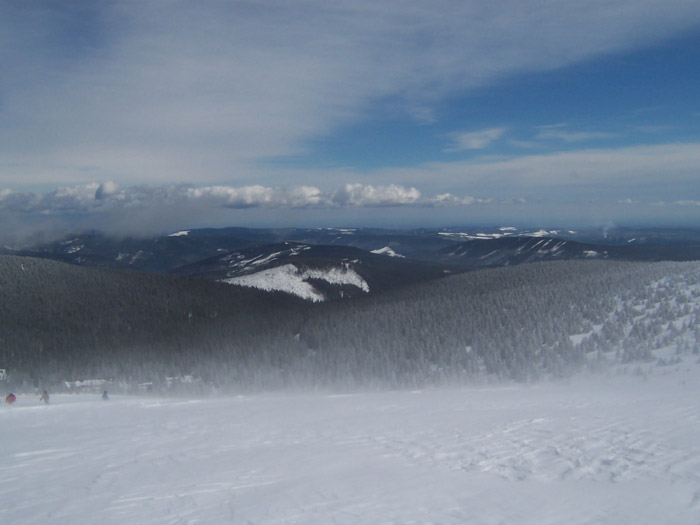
(260, 196)
(447, 199)
(245, 197)
(367, 195)
(597, 168)
(106, 189)
(559, 132)
(118, 91)
(605, 173)
(92, 198)
(474, 139)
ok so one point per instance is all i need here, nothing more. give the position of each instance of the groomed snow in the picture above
(600, 450)
(290, 279)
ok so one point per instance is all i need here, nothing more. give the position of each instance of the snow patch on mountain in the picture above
(290, 279)
(339, 276)
(387, 251)
(471, 236)
(138, 255)
(544, 233)
(239, 261)
(284, 278)
(180, 233)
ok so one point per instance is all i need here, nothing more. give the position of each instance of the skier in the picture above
(45, 397)
(105, 397)
(11, 398)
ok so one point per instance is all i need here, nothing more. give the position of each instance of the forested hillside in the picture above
(60, 322)
(527, 322)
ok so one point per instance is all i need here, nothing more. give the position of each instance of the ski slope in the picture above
(602, 449)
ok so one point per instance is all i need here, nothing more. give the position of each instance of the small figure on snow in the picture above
(105, 396)
(45, 397)
(11, 398)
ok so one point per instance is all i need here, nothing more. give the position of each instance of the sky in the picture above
(144, 117)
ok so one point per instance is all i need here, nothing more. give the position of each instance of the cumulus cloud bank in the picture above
(94, 197)
(533, 183)
(148, 209)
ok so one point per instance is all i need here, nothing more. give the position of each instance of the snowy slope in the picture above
(600, 450)
(290, 279)
(387, 251)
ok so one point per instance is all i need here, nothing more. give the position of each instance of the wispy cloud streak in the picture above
(474, 139)
(124, 91)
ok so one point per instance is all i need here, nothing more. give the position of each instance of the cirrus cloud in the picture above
(474, 139)
(118, 90)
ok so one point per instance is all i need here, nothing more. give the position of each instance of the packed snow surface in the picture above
(290, 279)
(598, 450)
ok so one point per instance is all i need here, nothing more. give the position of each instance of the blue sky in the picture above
(148, 116)
(638, 97)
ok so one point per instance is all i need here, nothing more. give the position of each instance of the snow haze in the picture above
(608, 449)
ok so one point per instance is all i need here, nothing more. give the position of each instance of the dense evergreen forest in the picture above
(60, 322)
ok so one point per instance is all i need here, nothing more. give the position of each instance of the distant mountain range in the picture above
(330, 263)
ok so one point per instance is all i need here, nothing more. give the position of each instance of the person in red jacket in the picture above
(11, 398)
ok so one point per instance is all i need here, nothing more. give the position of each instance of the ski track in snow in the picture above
(596, 450)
